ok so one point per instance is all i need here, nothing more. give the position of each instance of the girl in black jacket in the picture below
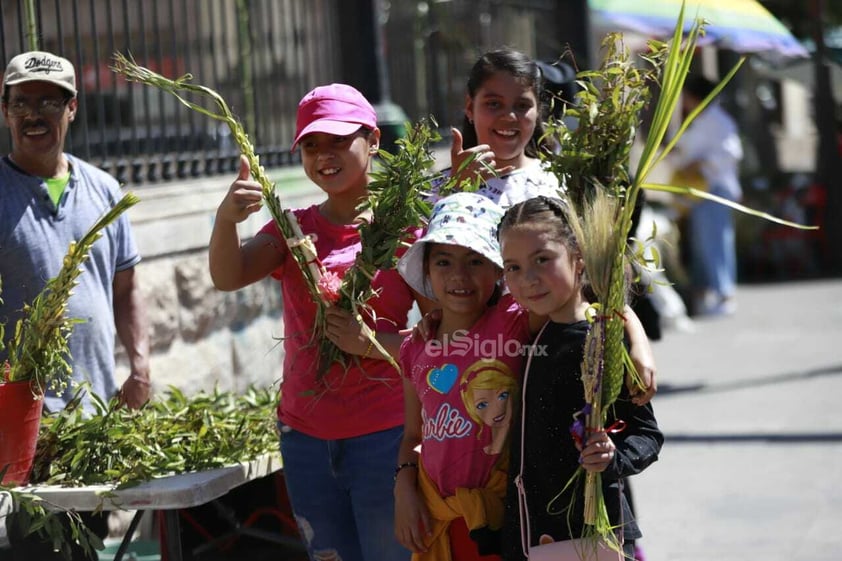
(544, 271)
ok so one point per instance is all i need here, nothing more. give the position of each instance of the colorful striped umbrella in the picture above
(740, 25)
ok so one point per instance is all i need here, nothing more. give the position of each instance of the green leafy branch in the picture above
(171, 434)
(398, 201)
(60, 527)
(38, 351)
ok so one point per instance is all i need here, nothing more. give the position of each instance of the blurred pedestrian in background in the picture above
(711, 146)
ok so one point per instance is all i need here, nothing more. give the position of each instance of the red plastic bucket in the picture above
(20, 419)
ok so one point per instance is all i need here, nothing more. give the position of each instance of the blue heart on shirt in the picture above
(442, 379)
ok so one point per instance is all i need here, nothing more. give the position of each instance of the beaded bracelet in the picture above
(404, 465)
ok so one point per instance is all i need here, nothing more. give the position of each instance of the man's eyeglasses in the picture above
(48, 106)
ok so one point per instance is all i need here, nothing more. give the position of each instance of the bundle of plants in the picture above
(396, 204)
(38, 351)
(184, 90)
(594, 164)
(38, 354)
(172, 434)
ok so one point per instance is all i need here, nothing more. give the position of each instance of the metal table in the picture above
(165, 494)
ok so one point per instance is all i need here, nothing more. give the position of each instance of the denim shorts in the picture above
(341, 492)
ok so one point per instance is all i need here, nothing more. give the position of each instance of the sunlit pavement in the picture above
(750, 406)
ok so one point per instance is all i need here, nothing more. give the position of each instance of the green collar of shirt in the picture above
(56, 186)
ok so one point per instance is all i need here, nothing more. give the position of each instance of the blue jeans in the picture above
(714, 248)
(341, 492)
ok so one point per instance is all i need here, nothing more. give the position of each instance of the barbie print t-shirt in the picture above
(469, 388)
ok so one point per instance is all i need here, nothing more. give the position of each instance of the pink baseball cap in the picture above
(334, 109)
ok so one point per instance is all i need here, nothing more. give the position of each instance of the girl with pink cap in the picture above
(339, 432)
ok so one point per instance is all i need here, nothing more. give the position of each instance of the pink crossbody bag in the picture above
(568, 550)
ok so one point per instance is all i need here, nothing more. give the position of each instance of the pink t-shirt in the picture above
(469, 388)
(364, 399)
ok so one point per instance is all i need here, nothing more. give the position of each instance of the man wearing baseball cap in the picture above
(50, 199)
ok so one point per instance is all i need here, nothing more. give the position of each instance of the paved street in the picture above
(752, 463)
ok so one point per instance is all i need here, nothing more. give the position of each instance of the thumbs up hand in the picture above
(478, 161)
(244, 197)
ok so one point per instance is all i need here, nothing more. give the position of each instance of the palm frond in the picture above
(38, 351)
(399, 195)
(219, 110)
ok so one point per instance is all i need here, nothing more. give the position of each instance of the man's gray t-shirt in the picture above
(34, 238)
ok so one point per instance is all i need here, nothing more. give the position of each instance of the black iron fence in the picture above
(261, 56)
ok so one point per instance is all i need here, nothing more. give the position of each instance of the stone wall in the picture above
(202, 337)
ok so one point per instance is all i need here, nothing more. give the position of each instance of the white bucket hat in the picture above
(463, 219)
